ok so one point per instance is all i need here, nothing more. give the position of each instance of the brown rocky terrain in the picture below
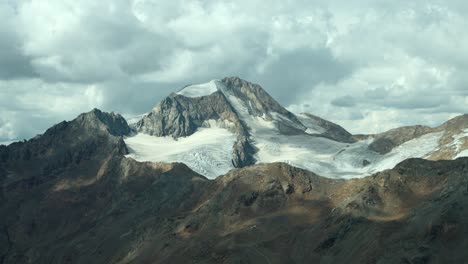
(70, 196)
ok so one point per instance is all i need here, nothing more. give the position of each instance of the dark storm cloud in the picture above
(299, 71)
(13, 64)
(344, 101)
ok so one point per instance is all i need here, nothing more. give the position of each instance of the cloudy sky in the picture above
(368, 65)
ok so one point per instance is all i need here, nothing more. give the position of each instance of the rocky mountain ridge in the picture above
(72, 195)
(106, 208)
(267, 132)
(456, 127)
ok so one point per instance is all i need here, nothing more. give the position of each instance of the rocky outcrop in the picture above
(243, 152)
(180, 116)
(113, 123)
(330, 129)
(385, 142)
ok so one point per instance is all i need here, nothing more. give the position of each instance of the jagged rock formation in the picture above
(68, 143)
(180, 116)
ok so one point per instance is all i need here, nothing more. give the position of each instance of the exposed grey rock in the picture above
(180, 116)
(332, 130)
(243, 153)
(365, 163)
(262, 104)
(113, 123)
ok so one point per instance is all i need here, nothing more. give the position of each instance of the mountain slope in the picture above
(452, 143)
(71, 196)
(240, 125)
(105, 208)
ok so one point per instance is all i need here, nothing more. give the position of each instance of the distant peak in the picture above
(114, 123)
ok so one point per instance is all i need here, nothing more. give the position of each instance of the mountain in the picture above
(105, 208)
(75, 194)
(452, 138)
(232, 123)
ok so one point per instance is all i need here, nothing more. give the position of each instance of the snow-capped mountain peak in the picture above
(229, 123)
(199, 90)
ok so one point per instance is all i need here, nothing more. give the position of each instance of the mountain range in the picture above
(222, 173)
(231, 123)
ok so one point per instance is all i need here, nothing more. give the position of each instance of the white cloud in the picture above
(28, 107)
(365, 64)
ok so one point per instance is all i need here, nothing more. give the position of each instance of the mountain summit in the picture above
(244, 110)
(232, 123)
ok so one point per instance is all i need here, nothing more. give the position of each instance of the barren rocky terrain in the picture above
(70, 196)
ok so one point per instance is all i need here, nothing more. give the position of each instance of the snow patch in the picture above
(459, 140)
(324, 156)
(207, 151)
(420, 147)
(199, 90)
(134, 119)
(312, 125)
(334, 159)
(312, 131)
(463, 153)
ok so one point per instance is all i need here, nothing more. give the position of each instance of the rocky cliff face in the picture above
(180, 116)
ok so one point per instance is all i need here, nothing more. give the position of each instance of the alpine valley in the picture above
(222, 173)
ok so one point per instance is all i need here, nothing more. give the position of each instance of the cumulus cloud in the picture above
(367, 65)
